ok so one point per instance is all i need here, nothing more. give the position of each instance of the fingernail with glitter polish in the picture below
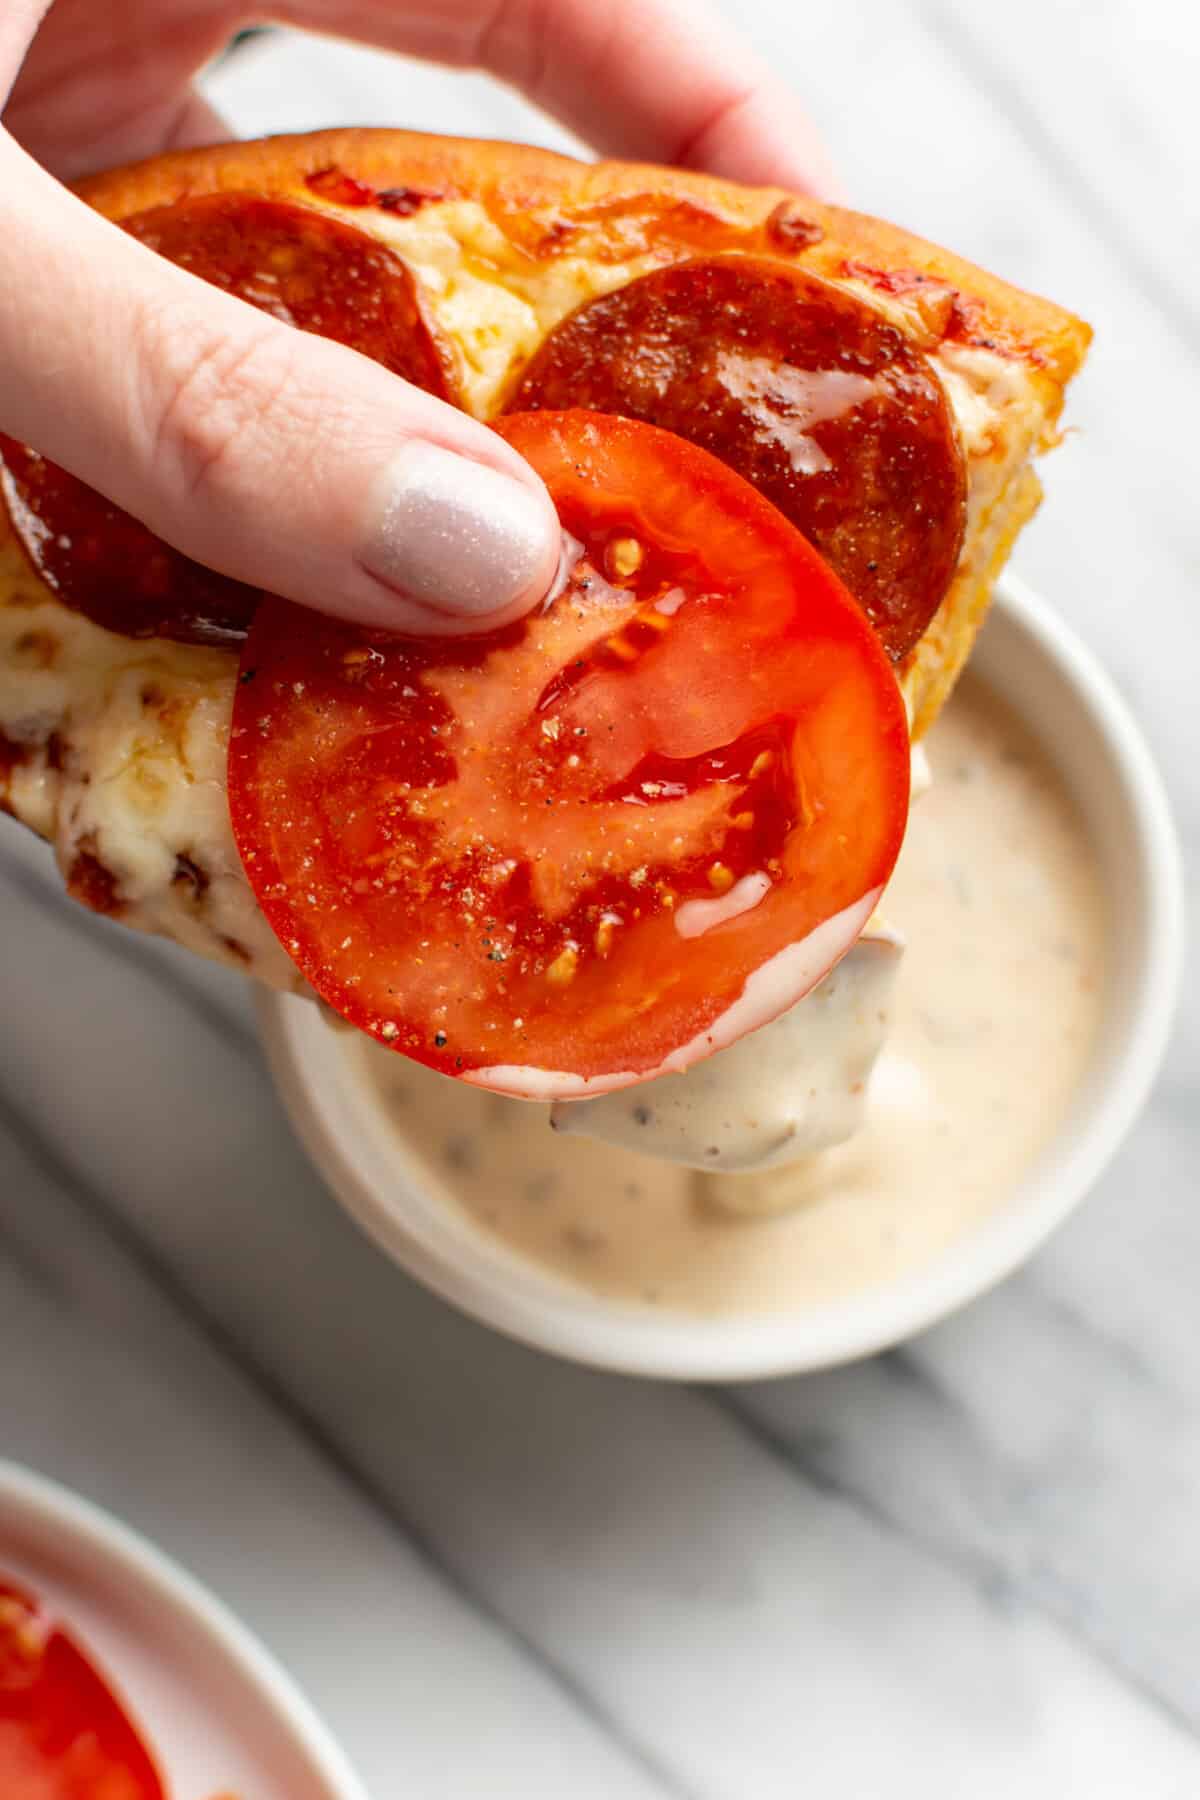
(455, 535)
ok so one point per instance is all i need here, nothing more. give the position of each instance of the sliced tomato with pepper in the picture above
(601, 842)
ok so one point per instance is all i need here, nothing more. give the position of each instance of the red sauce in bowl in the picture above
(64, 1732)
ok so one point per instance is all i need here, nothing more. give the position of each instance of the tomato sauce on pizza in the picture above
(64, 1733)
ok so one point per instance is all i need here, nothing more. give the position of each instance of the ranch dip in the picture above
(989, 1013)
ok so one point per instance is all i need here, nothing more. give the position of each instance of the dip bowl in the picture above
(1033, 662)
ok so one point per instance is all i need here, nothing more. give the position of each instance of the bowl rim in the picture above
(672, 1346)
(53, 1512)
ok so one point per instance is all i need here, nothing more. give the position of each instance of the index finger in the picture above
(658, 80)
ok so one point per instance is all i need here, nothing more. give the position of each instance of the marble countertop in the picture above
(969, 1567)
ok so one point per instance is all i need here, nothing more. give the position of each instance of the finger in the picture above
(275, 456)
(83, 99)
(195, 123)
(663, 80)
(100, 85)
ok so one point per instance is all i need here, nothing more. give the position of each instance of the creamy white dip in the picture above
(991, 1022)
(795, 1086)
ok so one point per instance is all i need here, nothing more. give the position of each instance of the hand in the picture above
(271, 454)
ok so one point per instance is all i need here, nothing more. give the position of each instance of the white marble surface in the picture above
(969, 1568)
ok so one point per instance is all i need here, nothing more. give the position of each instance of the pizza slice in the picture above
(886, 397)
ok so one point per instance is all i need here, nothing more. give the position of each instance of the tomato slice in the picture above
(310, 271)
(604, 841)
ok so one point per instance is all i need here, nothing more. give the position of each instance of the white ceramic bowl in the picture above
(1030, 657)
(218, 1713)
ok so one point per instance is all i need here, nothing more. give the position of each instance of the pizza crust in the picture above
(113, 749)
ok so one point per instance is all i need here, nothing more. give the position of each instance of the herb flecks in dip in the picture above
(994, 1015)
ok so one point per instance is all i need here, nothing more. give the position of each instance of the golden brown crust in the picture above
(929, 676)
(518, 183)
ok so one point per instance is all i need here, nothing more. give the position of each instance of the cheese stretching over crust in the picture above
(113, 749)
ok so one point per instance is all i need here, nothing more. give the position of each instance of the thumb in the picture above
(284, 459)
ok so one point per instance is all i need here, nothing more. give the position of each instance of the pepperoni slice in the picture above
(103, 562)
(608, 839)
(805, 390)
(310, 271)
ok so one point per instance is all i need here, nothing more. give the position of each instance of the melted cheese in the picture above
(125, 772)
(490, 298)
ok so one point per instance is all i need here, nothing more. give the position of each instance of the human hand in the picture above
(273, 455)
